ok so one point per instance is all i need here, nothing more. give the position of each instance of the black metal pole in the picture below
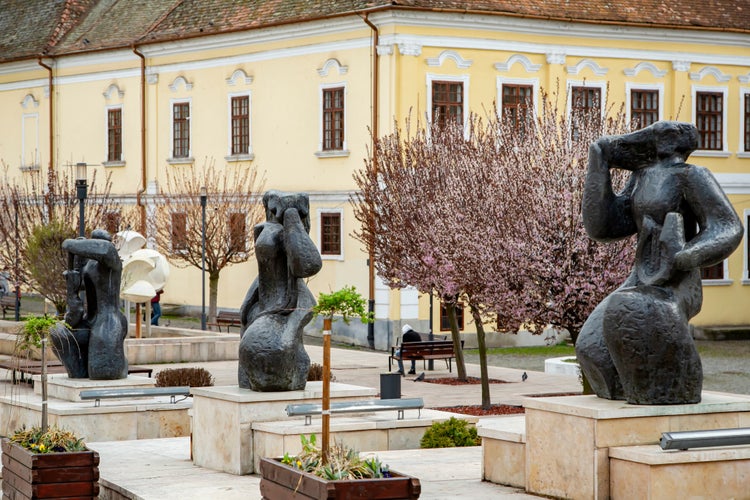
(81, 187)
(203, 262)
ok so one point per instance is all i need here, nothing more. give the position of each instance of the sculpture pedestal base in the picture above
(69, 389)
(223, 419)
(585, 447)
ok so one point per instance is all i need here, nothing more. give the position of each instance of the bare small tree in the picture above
(38, 202)
(233, 208)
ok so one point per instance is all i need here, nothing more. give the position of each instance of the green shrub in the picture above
(448, 434)
(193, 377)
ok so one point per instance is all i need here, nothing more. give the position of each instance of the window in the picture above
(237, 233)
(114, 134)
(333, 119)
(585, 106)
(445, 324)
(181, 130)
(644, 107)
(517, 104)
(715, 272)
(179, 232)
(330, 233)
(447, 101)
(112, 222)
(240, 109)
(746, 117)
(709, 109)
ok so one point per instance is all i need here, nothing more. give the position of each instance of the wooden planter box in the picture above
(49, 475)
(282, 481)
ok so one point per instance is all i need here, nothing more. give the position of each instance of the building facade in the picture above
(146, 88)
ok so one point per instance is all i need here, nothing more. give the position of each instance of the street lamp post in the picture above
(81, 187)
(203, 257)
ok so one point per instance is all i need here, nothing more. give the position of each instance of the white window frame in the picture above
(189, 158)
(465, 79)
(344, 151)
(631, 86)
(121, 161)
(340, 212)
(601, 85)
(36, 160)
(724, 152)
(741, 153)
(746, 248)
(250, 155)
(534, 82)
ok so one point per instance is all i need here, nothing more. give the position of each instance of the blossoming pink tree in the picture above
(489, 214)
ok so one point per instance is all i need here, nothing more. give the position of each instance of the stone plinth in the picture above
(649, 472)
(568, 438)
(59, 386)
(503, 449)
(362, 432)
(223, 418)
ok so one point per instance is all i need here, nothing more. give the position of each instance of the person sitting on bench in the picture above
(408, 335)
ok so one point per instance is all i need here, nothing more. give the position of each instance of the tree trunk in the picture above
(450, 308)
(482, 346)
(213, 292)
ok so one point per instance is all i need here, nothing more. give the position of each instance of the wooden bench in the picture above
(228, 319)
(8, 302)
(98, 394)
(424, 350)
(399, 405)
(34, 367)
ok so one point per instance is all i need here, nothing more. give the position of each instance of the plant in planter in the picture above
(48, 463)
(34, 334)
(344, 475)
(346, 303)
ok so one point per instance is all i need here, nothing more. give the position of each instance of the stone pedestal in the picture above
(568, 438)
(223, 418)
(59, 386)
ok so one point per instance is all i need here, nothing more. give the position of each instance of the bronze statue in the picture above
(277, 306)
(637, 345)
(93, 346)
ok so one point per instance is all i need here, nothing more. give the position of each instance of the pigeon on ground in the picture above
(524, 377)
(419, 378)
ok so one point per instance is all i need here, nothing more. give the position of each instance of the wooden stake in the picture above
(326, 422)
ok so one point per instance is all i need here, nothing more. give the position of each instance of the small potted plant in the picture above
(48, 463)
(344, 475)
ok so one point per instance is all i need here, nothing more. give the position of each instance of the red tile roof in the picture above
(29, 28)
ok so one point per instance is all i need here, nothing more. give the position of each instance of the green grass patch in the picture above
(551, 351)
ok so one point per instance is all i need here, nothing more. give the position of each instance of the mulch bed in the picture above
(476, 410)
(455, 381)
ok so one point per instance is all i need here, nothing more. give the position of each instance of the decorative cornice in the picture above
(587, 63)
(681, 65)
(710, 70)
(332, 63)
(438, 61)
(744, 78)
(522, 60)
(410, 49)
(645, 66)
(112, 90)
(556, 58)
(180, 81)
(385, 50)
(239, 77)
(29, 101)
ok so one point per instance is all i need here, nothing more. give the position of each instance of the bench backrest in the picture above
(429, 347)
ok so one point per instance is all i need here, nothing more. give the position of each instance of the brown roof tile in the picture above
(31, 27)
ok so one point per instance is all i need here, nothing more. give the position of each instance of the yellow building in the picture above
(292, 87)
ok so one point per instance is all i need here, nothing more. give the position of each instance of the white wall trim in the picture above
(239, 77)
(178, 82)
(645, 66)
(520, 59)
(438, 61)
(330, 64)
(587, 63)
(710, 70)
